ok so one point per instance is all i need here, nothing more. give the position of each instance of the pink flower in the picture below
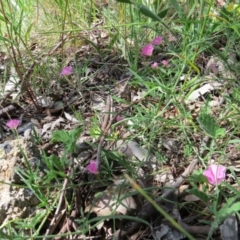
(215, 174)
(119, 118)
(67, 71)
(164, 62)
(157, 40)
(147, 50)
(13, 123)
(92, 167)
(154, 65)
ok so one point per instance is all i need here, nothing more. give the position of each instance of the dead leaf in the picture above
(191, 198)
(97, 102)
(45, 102)
(57, 123)
(171, 144)
(167, 232)
(70, 118)
(46, 127)
(113, 200)
(202, 90)
(132, 149)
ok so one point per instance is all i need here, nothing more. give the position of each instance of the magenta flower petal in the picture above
(67, 71)
(215, 174)
(147, 50)
(157, 40)
(13, 123)
(154, 65)
(164, 62)
(119, 118)
(92, 167)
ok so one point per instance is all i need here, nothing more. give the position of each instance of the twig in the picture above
(6, 110)
(195, 230)
(69, 222)
(48, 145)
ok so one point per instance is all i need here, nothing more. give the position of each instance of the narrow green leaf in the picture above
(231, 200)
(2, 18)
(148, 13)
(177, 7)
(197, 177)
(124, 1)
(220, 132)
(163, 13)
(210, 126)
(226, 211)
(60, 136)
(5, 39)
(194, 67)
(27, 34)
(67, 138)
(203, 196)
(55, 161)
(236, 96)
(73, 136)
(94, 45)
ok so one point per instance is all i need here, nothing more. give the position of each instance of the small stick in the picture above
(6, 110)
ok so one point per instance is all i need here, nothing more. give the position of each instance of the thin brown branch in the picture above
(6, 110)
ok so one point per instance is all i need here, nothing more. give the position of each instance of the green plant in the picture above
(163, 77)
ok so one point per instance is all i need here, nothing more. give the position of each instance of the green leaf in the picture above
(220, 132)
(74, 135)
(124, 1)
(236, 96)
(95, 131)
(197, 177)
(68, 138)
(5, 40)
(226, 211)
(210, 126)
(177, 7)
(163, 13)
(147, 12)
(27, 34)
(203, 196)
(55, 162)
(60, 136)
(225, 14)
